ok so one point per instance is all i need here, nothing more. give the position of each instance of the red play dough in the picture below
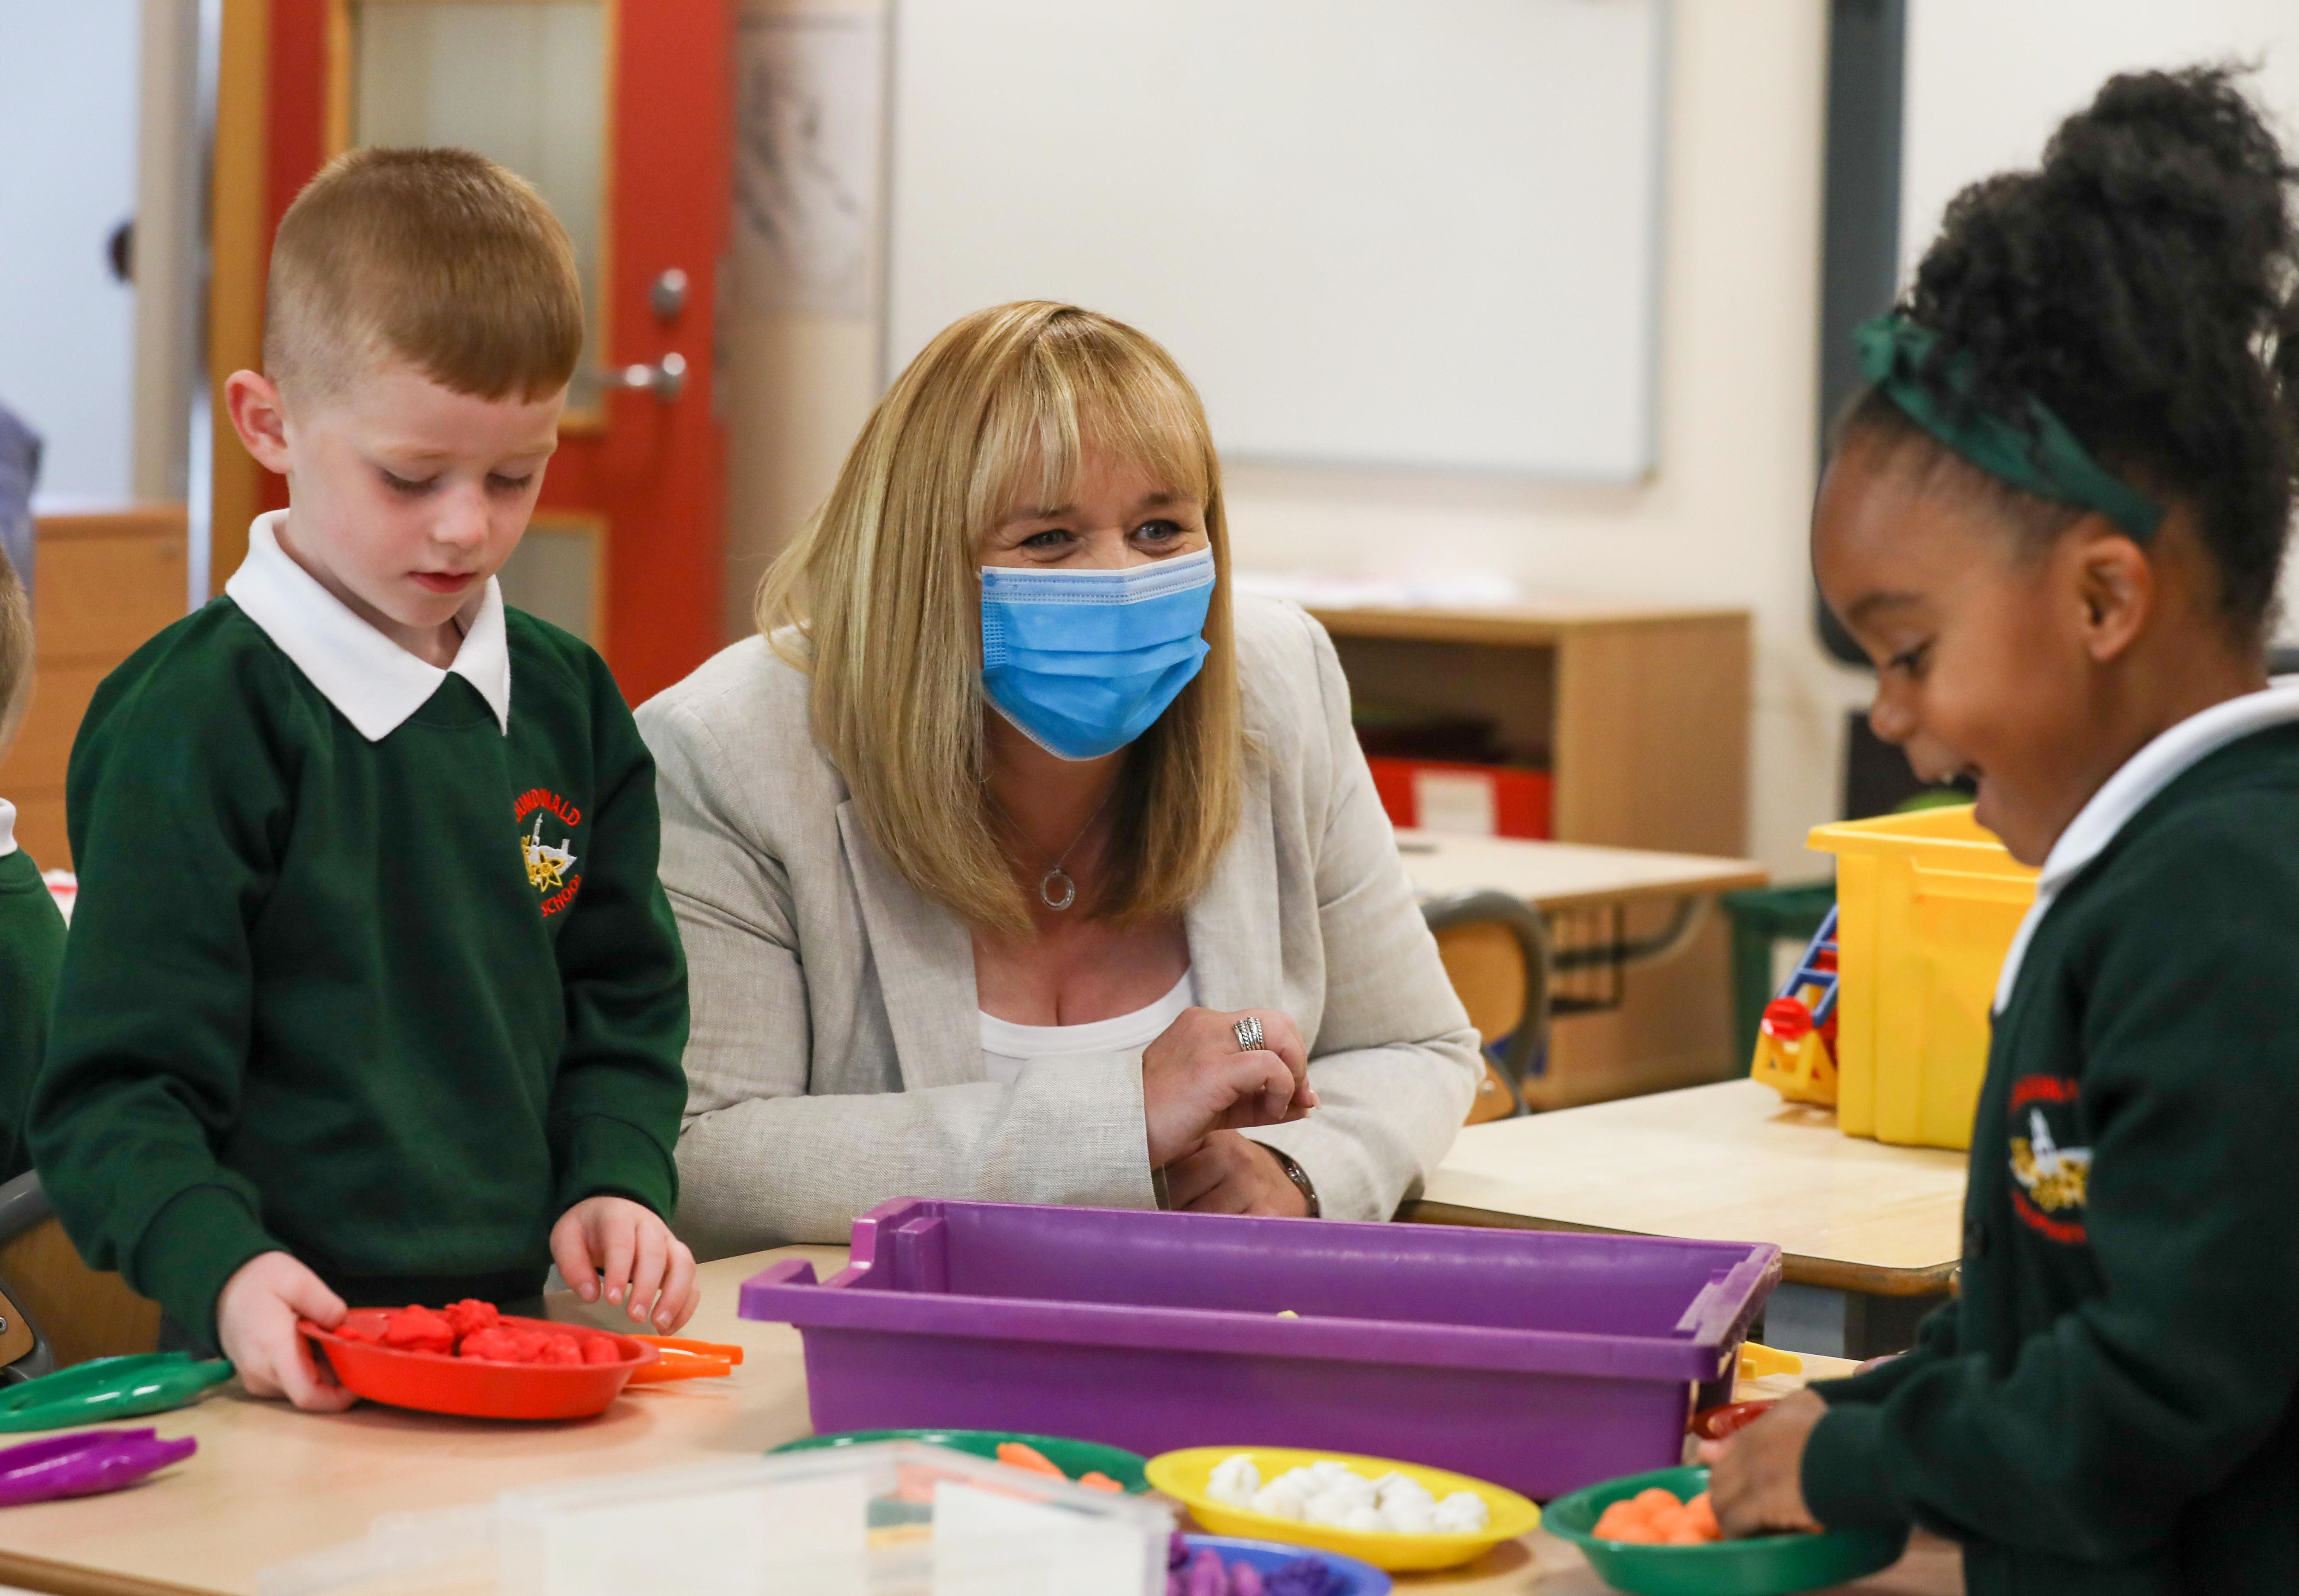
(474, 1329)
(471, 1316)
(419, 1330)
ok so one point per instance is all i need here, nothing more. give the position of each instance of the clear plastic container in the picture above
(898, 1518)
(1927, 905)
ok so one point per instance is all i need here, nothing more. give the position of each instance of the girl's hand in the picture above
(255, 1323)
(1757, 1480)
(628, 1244)
(1196, 1080)
(1234, 1175)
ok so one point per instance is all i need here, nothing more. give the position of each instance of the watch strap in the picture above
(1301, 1183)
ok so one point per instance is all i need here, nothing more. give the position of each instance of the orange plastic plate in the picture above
(473, 1388)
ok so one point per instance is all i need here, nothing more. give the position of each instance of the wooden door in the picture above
(621, 112)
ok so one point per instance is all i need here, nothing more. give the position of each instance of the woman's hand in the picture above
(1234, 1175)
(1196, 1080)
(1757, 1483)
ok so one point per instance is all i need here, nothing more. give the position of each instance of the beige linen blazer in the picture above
(835, 1056)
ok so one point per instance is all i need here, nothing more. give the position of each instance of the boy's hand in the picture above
(255, 1321)
(1756, 1484)
(641, 1262)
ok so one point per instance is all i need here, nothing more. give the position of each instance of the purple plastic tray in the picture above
(1542, 1360)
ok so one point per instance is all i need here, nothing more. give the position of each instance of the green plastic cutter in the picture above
(107, 1388)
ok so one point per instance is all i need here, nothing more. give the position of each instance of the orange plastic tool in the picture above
(683, 1359)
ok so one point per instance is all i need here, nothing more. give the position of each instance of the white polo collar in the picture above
(7, 829)
(2126, 792)
(375, 683)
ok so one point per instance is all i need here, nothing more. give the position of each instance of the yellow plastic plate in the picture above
(1183, 1474)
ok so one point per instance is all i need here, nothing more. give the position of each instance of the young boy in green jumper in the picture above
(2055, 521)
(31, 927)
(374, 996)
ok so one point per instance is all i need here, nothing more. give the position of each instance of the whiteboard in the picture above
(1374, 232)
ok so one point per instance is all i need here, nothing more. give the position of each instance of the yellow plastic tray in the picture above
(1927, 904)
(1183, 1474)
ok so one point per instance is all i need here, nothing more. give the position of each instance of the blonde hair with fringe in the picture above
(879, 599)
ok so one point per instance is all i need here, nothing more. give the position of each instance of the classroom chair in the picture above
(54, 1310)
(1495, 949)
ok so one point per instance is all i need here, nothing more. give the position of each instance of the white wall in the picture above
(1723, 520)
(1988, 81)
(68, 75)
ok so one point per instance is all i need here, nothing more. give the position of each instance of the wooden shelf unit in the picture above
(103, 584)
(1644, 713)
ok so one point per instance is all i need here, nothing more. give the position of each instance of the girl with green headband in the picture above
(2055, 521)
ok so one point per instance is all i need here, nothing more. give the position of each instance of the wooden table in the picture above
(269, 1483)
(1871, 1233)
(1640, 713)
(1672, 1026)
(1559, 875)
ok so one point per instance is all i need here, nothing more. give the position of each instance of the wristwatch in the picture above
(1300, 1181)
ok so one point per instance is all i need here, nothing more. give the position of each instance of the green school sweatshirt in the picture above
(32, 947)
(2112, 1405)
(353, 999)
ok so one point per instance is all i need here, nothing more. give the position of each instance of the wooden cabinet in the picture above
(104, 583)
(1644, 714)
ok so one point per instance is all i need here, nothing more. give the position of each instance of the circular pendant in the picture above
(1056, 879)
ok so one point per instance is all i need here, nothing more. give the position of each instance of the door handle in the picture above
(665, 378)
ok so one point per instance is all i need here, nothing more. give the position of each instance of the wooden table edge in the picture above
(1507, 625)
(1869, 1280)
(79, 1579)
(1655, 893)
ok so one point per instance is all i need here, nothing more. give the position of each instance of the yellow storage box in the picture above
(1927, 904)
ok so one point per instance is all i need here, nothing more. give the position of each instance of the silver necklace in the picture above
(1055, 874)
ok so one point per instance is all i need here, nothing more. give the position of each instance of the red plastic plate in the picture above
(436, 1383)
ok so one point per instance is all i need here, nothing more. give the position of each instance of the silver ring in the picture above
(1248, 1034)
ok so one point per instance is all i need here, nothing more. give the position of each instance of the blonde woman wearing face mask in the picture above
(1017, 859)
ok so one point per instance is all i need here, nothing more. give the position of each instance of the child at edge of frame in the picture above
(374, 998)
(31, 926)
(2055, 521)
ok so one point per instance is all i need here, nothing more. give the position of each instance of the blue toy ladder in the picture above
(1809, 972)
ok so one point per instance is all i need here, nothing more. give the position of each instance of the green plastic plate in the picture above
(1073, 1457)
(1763, 1565)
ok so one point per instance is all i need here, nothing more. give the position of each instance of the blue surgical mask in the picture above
(1084, 661)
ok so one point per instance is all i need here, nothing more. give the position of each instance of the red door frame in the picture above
(655, 473)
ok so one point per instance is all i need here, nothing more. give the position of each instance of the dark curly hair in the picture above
(2140, 284)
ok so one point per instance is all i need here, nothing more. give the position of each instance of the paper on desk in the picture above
(987, 1543)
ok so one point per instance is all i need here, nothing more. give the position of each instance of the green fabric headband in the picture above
(2042, 458)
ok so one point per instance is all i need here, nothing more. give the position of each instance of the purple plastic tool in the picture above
(1541, 1360)
(85, 1465)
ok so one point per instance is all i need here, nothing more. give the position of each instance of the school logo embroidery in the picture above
(2054, 1181)
(550, 862)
